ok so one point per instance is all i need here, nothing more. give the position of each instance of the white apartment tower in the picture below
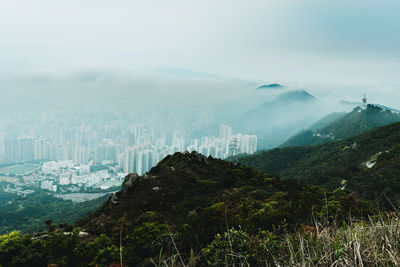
(225, 132)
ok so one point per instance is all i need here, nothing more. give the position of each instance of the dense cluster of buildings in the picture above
(134, 147)
(67, 174)
(64, 176)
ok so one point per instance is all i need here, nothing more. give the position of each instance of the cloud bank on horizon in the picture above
(339, 48)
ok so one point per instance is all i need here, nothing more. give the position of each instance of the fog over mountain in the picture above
(208, 51)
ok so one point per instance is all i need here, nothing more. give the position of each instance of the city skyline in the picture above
(134, 147)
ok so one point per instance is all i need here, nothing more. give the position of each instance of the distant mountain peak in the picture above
(272, 86)
(298, 95)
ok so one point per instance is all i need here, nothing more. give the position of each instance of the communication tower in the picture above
(364, 113)
(364, 102)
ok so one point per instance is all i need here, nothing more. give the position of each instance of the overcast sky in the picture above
(340, 47)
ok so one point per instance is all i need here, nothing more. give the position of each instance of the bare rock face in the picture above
(114, 199)
(148, 184)
(156, 189)
(199, 157)
(130, 180)
(127, 186)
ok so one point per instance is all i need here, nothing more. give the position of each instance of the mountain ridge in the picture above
(367, 163)
(271, 86)
(276, 120)
(183, 188)
(339, 128)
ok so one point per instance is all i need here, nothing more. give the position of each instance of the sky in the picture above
(182, 49)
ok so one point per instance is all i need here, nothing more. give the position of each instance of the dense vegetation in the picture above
(336, 164)
(28, 213)
(56, 248)
(370, 243)
(186, 208)
(186, 188)
(338, 126)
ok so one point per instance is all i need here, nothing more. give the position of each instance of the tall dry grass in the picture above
(367, 243)
(372, 243)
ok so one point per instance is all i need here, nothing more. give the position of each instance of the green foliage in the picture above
(197, 211)
(330, 164)
(305, 138)
(106, 256)
(233, 247)
(21, 250)
(28, 214)
(144, 242)
(57, 248)
(101, 252)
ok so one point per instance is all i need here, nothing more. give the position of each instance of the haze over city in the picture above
(127, 83)
(197, 53)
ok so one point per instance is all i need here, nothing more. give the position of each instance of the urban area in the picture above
(80, 153)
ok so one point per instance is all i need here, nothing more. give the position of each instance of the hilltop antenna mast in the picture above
(363, 113)
(364, 102)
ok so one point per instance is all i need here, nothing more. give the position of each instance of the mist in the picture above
(106, 49)
(120, 90)
(190, 67)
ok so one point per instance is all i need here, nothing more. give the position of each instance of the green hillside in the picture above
(325, 121)
(336, 164)
(338, 126)
(28, 213)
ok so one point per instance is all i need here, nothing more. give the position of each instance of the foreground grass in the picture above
(370, 243)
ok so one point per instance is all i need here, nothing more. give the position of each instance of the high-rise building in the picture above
(121, 160)
(80, 155)
(107, 151)
(225, 132)
(18, 150)
(131, 139)
(129, 165)
(247, 143)
(252, 144)
(11, 151)
(146, 161)
(1, 147)
(139, 162)
(38, 148)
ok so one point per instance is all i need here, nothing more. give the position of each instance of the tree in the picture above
(21, 250)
